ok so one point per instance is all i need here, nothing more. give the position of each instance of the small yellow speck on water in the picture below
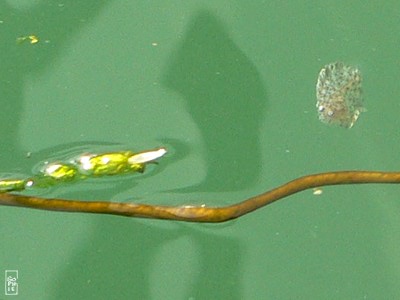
(33, 39)
(317, 191)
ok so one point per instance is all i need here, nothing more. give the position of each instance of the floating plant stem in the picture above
(202, 213)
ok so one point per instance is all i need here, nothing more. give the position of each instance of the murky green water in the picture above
(229, 88)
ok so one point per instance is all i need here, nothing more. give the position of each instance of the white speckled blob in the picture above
(339, 96)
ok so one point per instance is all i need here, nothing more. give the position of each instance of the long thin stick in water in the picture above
(202, 213)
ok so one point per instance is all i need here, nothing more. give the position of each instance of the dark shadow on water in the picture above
(55, 21)
(118, 259)
(226, 98)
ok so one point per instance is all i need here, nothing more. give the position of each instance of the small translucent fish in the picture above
(107, 164)
(84, 166)
(339, 95)
(60, 171)
(8, 185)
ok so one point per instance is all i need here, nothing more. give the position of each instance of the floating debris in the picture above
(32, 39)
(317, 191)
(339, 95)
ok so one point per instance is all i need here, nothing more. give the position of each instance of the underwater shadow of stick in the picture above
(225, 97)
(122, 261)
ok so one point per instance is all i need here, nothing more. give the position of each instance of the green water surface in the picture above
(228, 87)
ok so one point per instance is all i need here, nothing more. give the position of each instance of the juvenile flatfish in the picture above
(339, 95)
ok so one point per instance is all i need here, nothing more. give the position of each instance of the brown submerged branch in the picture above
(202, 213)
